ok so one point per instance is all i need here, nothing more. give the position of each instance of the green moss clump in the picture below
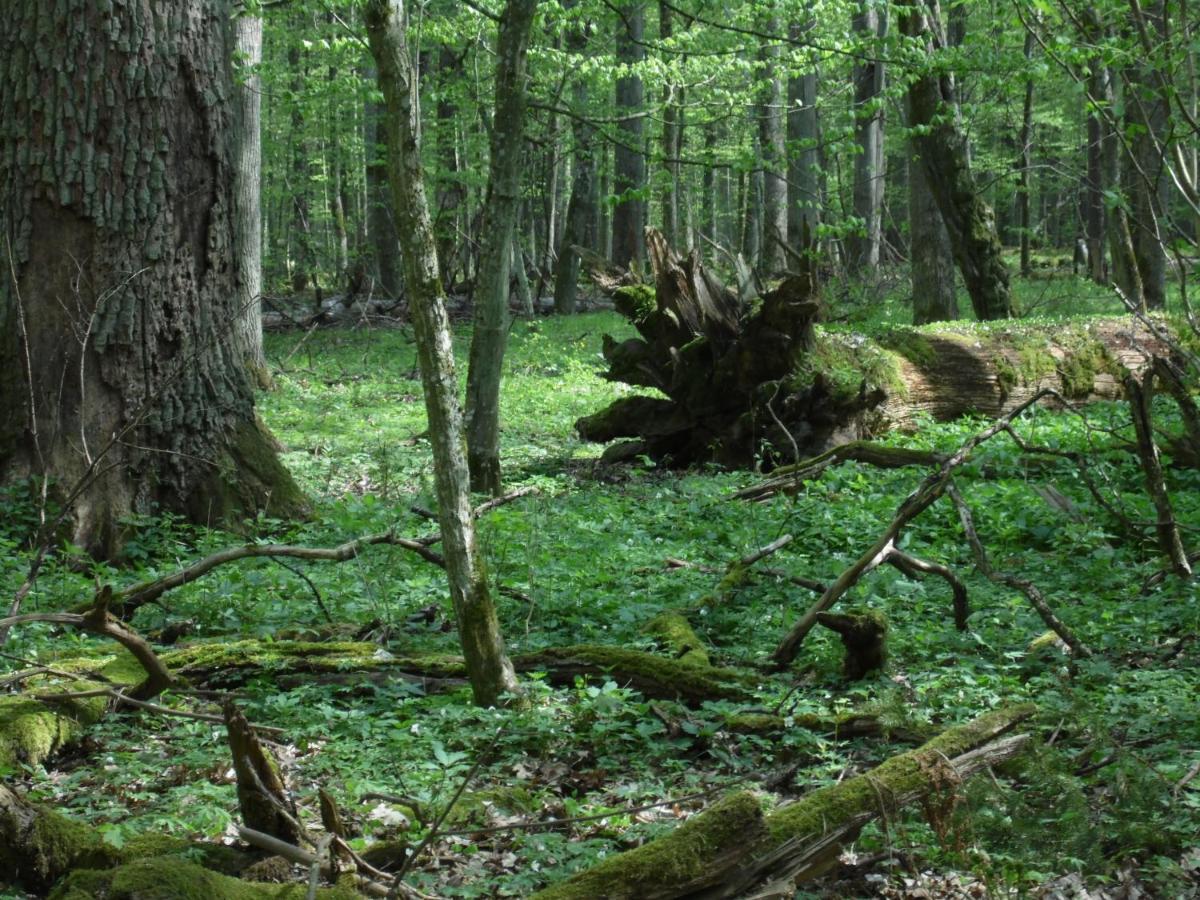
(674, 632)
(1078, 370)
(843, 362)
(653, 675)
(680, 857)
(304, 656)
(912, 345)
(636, 302)
(169, 878)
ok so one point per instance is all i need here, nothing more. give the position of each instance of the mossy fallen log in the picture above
(733, 846)
(39, 847)
(759, 383)
(675, 633)
(173, 878)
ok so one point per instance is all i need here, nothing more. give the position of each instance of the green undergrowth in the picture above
(588, 551)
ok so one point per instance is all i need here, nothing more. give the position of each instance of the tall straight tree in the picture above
(944, 154)
(870, 26)
(629, 167)
(381, 227)
(124, 386)
(491, 672)
(934, 298)
(672, 132)
(772, 139)
(495, 259)
(803, 184)
(248, 244)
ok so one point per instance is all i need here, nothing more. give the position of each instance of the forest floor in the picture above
(1104, 804)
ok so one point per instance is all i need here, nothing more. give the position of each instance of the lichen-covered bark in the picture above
(934, 293)
(117, 301)
(491, 672)
(499, 217)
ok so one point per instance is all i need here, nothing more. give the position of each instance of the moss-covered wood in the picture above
(864, 635)
(675, 633)
(758, 383)
(117, 329)
(796, 841)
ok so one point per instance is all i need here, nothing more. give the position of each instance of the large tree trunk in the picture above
(629, 174)
(247, 177)
(489, 668)
(870, 25)
(124, 384)
(934, 296)
(495, 259)
(771, 136)
(945, 155)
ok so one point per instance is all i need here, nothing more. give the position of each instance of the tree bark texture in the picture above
(934, 294)
(123, 381)
(247, 176)
(870, 26)
(381, 226)
(488, 666)
(629, 172)
(1025, 164)
(945, 154)
(495, 258)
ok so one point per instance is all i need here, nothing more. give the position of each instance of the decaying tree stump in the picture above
(755, 381)
(262, 795)
(864, 637)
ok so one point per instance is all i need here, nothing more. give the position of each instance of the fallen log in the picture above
(759, 383)
(733, 846)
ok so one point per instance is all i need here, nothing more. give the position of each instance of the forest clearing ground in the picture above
(589, 549)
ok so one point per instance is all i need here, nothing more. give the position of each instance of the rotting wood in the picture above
(733, 846)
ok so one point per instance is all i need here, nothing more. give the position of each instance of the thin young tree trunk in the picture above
(304, 270)
(1025, 163)
(499, 218)
(491, 672)
(1093, 203)
(771, 128)
(381, 227)
(247, 181)
(581, 208)
(450, 197)
(944, 152)
(671, 127)
(629, 173)
(870, 24)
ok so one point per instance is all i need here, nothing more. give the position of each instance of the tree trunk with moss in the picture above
(943, 149)
(758, 383)
(489, 668)
(124, 384)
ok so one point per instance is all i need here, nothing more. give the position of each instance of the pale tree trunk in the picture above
(629, 172)
(381, 226)
(495, 261)
(870, 24)
(944, 153)
(124, 384)
(488, 665)
(934, 298)
(671, 128)
(247, 178)
(804, 188)
(771, 130)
